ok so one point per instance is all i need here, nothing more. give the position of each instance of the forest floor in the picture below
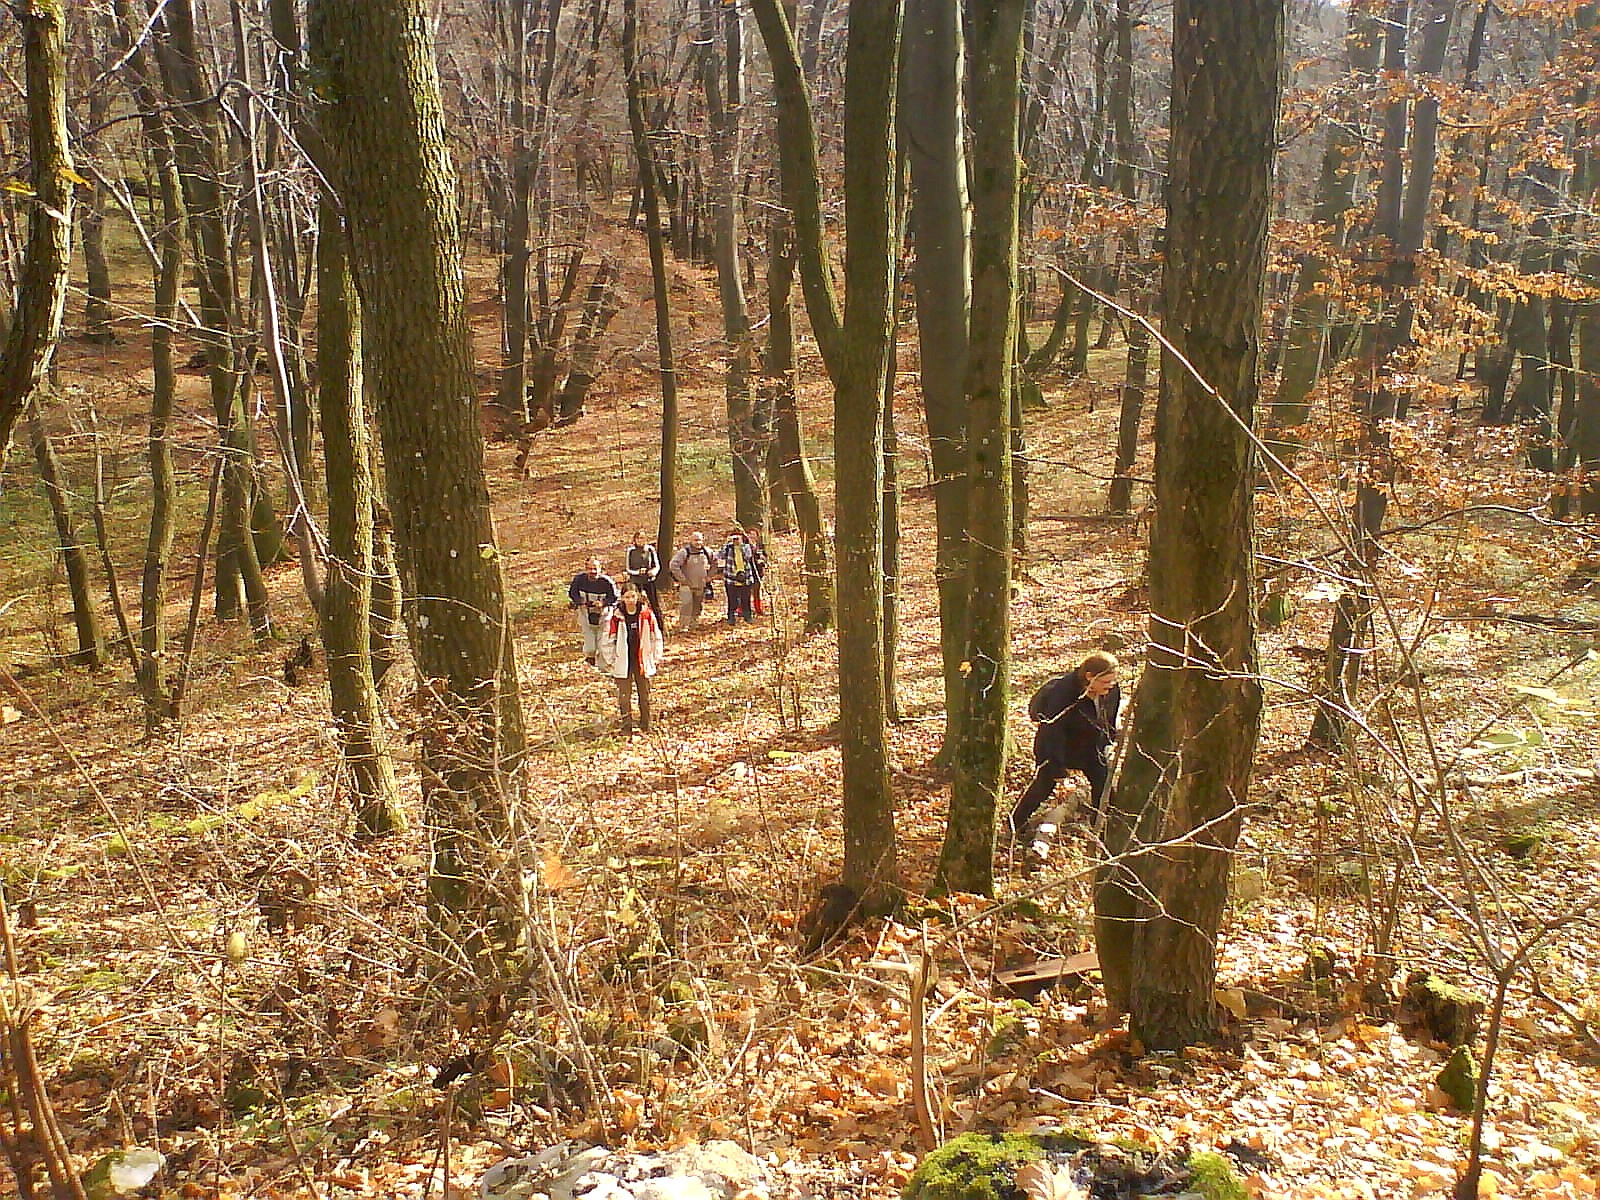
(220, 972)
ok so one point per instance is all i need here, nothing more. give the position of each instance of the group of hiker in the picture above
(622, 627)
(621, 620)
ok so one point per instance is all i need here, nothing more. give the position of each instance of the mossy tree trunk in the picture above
(966, 862)
(855, 350)
(85, 612)
(1177, 800)
(381, 119)
(42, 285)
(933, 122)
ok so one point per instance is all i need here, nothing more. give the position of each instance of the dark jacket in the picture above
(643, 563)
(595, 593)
(1073, 729)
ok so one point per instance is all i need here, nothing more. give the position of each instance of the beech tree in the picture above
(1177, 800)
(967, 860)
(855, 351)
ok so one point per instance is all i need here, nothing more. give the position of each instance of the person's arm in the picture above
(574, 596)
(677, 565)
(610, 590)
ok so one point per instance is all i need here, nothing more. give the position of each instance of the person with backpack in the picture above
(739, 575)
(1077, 718)
(752, 537)
(691, 569)
(630, 649)
(644, 565)
(589, 594)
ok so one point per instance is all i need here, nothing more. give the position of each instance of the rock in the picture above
(1000, 1167)
(1448, 1013)
(717, 1170)
(1459, 1079)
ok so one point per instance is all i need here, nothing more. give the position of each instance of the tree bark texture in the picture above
(1177, 800)
(995, 36)
(932, 122)
(346, 615)
(388, 161)
(42, 287)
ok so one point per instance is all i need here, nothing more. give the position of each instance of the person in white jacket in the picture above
(630, 648)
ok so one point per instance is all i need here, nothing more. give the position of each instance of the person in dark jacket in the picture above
(738, 576)
(589, 594)
(1077, 717)
(644, 566)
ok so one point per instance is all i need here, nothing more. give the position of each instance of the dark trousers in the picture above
(738, 601)
(1047, 772)
(626, 686)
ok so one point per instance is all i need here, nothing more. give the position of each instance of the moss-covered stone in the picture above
(1213, 1177)
(1459, 1078)
(1449, 1013)
(974, 1166)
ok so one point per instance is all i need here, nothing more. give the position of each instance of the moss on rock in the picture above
(1213, 1176)
(974, 1166)
(1459, 1078)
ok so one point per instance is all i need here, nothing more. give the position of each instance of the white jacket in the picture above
(613, 654)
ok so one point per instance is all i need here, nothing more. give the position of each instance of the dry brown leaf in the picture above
(556, 874)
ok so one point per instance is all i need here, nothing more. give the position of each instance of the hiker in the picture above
(630, 648)
(589, 595)
(738, 576)
(644, 565)
(752, 537)
(692, 568)
(1077, 717)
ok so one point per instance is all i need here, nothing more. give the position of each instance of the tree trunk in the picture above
(798, 481)
(42, 286)
(346, 614)
(855, 352)
(1310, 350)
(666, 535)
(155, 671)
(932, 120)
(85, 613)
(97, 300)
(197, 141)
(722, 83)
(382, 120)
(966, 862)
(1177, 799)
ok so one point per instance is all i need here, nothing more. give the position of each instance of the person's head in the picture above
(736, 535)
(752, 535)
(592, 565)
(630, 596)
(1099, 673)
(638, 539)
(697, 539)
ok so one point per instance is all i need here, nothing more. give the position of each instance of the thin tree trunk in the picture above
(155, 669)
(666, 529)
(85, 613)
(798, 480)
